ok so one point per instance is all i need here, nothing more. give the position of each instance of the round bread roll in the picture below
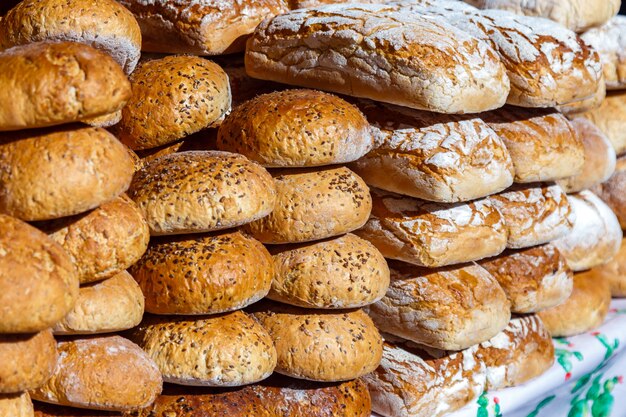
(226, 350)
(49, 83)
(26, 361)
(614, 272)
(613, 191)
(520, 352)
(102, 24)
(16, 405)
(600, 158)
(106, 120)
(534, 214)
(583, 311)
(596, 236)
(296, 128)
(345, 272)
(202, 191)
(533, 279)
(433, 234)
(321, 345)
(203, 274)
(313, 205)
(448, 308)
(104, 241)
(52, 173)
(173, 97)
(101, 373)
(112, 305)
(38, 283)
(608, 117)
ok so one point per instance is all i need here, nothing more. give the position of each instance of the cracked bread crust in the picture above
(610, 42)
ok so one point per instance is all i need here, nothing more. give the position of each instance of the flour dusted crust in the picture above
(608, 117)
(27, 361)
(443, 158)
(376, 52)
(433, 234)
(609, 41)
(16, 405)
(614, 272)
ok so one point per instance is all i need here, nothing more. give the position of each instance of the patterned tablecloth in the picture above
(587, 379)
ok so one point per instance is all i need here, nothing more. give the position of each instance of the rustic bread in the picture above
(434, 157)
(102, 373)
(533, 279)
(26, 361)
(50, 83)
(51, 173)
(201, 191)
(313, 205)
(16, 405)
(610, 120)
(613, 191)
(596, 236)
(224, 350)
(593, 102)
(321, 345)
(38, 284)
(534, 214)
(614, 272)
(609, 40)
(377, 52)
(102, 24)
(433, 234)
(296, 128)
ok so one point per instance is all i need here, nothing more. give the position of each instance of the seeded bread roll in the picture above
(201, 191)
(583, 311)
(599, 155)
(534, 214)
(544, 146)
(104, 241)
(433, 234)
(345, 272)
(203, 274)
(102, 373)
(51, 173)
(38, 284)
(173, 97)
(313, 205)
(434, 157)
(102, 24)
(610, 120)
(596, 236)
(296, 128)
(609, 40)
(613, 191)
(53, 83)
(225, 350)
(16, 405)
(614, 272)
(521, 352)
(349, 58)
(26, 361)
(321, 345)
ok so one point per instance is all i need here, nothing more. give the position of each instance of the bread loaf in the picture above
(433, 234)
(609, 40)
(374, 51)
(26, 361)
(434, 157)
(224, 350)
(609, 119)
(16, 405)
(614, 272)
(53, 83)
(596, 236)
(107, 373)
(593, 102)
(613, 191)
(102, 24)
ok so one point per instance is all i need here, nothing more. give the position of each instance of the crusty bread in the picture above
(534, 214)
(596, 236)
(599, 156)
(16, 405)
(62, 171)
(609, 119)
(533, 279)
(609, 40)
(102, 24)
(613, 191)
(543, 144)
(296, 128)
(591, 103)
(434, 157)
(201, 191)
(344, 272)
(321, 345)
(38, 284)
(224, 350)
(376, 52)
(614, 272)
(449, 308)
(314, 204)
(104, 241)
(433, 234)
(26, 361)
(53, 83)
(105, 373)
(203, 274)
(173, 97)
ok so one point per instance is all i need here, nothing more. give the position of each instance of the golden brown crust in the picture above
(16, 405)
(613, 191)
(106, 120)
(607, 117)
(27, 361)
(614, 272)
